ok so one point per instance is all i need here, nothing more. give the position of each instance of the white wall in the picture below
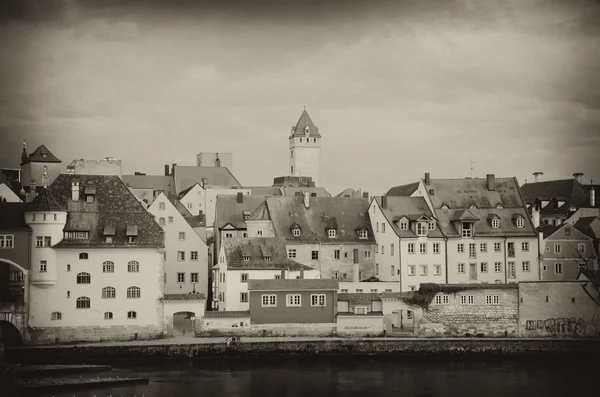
(306, 160)
(368, 287)
(43, 224)
(8, 194)
(264, 227)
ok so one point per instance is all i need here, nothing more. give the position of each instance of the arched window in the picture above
(108, 267)
(161, 206)
(84, 278)
(161, 221)
(133, 267)
(83, 302)
(109, 293)
(131, 314)
(108, 315)
(134, 292)
(56, 316)
(83, 255)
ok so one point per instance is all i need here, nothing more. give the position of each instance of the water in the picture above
(354, 376)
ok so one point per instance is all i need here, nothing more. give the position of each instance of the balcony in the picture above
(511, 253)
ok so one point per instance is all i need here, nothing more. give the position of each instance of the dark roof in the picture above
(548, 230)
(186, 191)
(183, 297)
(349, 192)
(41, 155)
(178, 205)
(186, 176)
(293, 285)
(359, 298)
(569, 190)
(590, 226)
(227, 314)
(303, 122)
(346, 215)
(254, 247)
(261, 213)
(264, 190)
(229, 211)
(113, 204)
(291, 191)
(403, 190)
(12, 216)
(44, 201)
(196, 220)
(411, 208)
(164, 183)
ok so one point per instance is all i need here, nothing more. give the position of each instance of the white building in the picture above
(305, 149)
(243, 259)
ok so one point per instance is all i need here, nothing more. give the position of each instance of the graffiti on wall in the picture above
(558, 326)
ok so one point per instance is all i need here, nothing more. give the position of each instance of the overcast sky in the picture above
(398, 88)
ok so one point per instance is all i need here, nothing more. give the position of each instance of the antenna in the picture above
(471, 162)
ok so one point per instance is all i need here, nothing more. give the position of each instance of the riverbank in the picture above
(197, 348)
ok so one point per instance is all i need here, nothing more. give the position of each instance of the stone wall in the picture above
(304, 329)
(360, 325)
(460, 318)
(43, 336)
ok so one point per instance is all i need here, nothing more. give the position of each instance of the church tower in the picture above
(305, 149)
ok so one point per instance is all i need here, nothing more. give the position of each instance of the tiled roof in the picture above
(264, 190)
(398, 295)
(483, 227)
(548, 230)
(590, 226)
(196, 220)
(162, 183)
(355, 299)
(369, 314)
(237, 248)
(467, 215)
(411, 208)
(178, 206)
(44, 201)
(303, 122)
(186, 191)
(113, 204)
(228, 210)
(261, 213)
(12, 216)
(227, 314)
(42, 155)
(186, 176)
(183, 297)
(299, 191)
(569, 190)
(347, 215)
(404, 190)
(293, 285)
(349, 193)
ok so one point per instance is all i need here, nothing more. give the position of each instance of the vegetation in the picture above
(427, 292)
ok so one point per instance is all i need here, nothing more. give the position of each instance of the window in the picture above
(525, 247)
(189, 205)
(180, 278)
(466, 229)
(377, 269)
(497, 247)
(368, 255)
(412, 287)
(181, 236)
(558, 268)
(467, 300)
(421, 229)
(7, 241)
(383, 228)
(194, 255)
(109, 293)
(374, 290)
(363, 234)
(161, 221)
(557, 248)
(498, 267)
(492, 299)
(180, 256)
(393, 271)
(331, 233)
(83, 255)
(441, 300)
(526, 266)
(244, 234)
(16, 275)
(56, 316)
(90, 198)
(423, 248)
(483, 247)
(269, 300)
(436, 248)
(243, 297)
(319, 299)
(108, 316)
(244, 277)
(131, 315)
(134, 292)
(84, 278)
(336, 254)
(581, 248)
(296, 232)
(291, 253)
(382, 250)
(39, 242)
(228, 234)
(511, 270)
(460, 248)
(411, 270)
(472, 251)
(403, 225)
(334, 275)
(315, 255)
(43, 266)
(461, 267)
(495, 223)
(411, 248)
(246, 258)
(68, 294)
(520, 222)
(293, 300)
(108, 240)
(437, 270)
(133, 267)
(277, 277)
(170, 219)
(161, 206)
(194, 278)
(424, 270)
(108, 267)
(431, 225)
(83, 302)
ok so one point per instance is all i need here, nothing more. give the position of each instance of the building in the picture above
(215, 160)
(305, 149)
(15, 252)
(293, 301)
(489, 236)
(35, 164)
(148, 187)
(351, 193)
(329, 234)
(293, 181)
(186, 254)
(360, 314)
(557, 200)
(257, 258)
(411, 248)
(107, 166)
(96, 263)
(8, 195)
(292, 191)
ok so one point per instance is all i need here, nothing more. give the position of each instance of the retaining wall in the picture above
(293, 329)
(44, 336)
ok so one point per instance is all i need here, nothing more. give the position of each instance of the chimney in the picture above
(301, 274)
(427, 178)
(240, 197)
(355, 266)
(32, 192)
(535, 215)
(384, 202)
(491, 182)
(283, 274)
(538, 176)
(366, 195)
(306, 200)
(173, 169)
(578, 176)
(592, 197)
(166, 169)
(204, 182)
(75, 191)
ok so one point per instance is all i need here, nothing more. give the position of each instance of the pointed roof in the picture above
(44, 201)
(261, 213)
(465, 215)
(41, 155)
(303, 122)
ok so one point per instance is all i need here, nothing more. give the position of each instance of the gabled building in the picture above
(34, 166)
(351, 193)
(243, 259)
(411, 248)
(148, 187)
(489, 236)
(305, 149)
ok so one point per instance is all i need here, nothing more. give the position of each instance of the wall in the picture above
(359, 325)
(262, 228)
(223, 324)
(210, 200)
(97, 167)
(144, 194)
(307, 159)
(21, 248)
(558, 309)
(303, 314)
(194, 200)
(384, 261)
(399, 314)
(45, 225)
(569, 256)
(170, 307)
(456, 319)
(35, 171)
(266, 330)
(570, 269)
(8, 194)
(369, 287)
(208, 160)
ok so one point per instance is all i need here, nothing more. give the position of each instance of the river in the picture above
(354, 376)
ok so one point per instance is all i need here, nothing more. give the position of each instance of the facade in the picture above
(411, 249)
(7, 195)
(107, 166)
(367, 286)
(244, 259)
(292, 301)
(96, 263)
(148, 187)
(305, 149)
(186, 254)
(359, 314)
(215, 160)
(35, 164)
(15, 252)
(351, 193)
(490, 237)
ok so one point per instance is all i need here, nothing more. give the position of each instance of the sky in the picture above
(397, 87)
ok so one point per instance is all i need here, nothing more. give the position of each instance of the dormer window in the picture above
(90, 192)
(306, 130)
(520, 222)
(421, 228)
(246, 258)
(445, 207)
(495, 223)
(131, 239)
(363, 234)
(246, 215)
(467, 230)
(331, 233)
(499, 206)
(473, 207)
(296, 232)
(431, 225)
(108, 239)
(90, 198)
(267, 259)
(132, 232)
(404, 225)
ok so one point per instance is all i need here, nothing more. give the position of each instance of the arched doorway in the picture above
(9, 334)
(184, 323)
(14, 282)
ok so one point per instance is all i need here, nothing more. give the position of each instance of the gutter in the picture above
(446, 255)
(505, 262)
(400, 262)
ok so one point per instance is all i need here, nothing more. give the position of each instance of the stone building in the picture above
(305, 149)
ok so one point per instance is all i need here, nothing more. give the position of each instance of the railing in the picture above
(16, 275)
